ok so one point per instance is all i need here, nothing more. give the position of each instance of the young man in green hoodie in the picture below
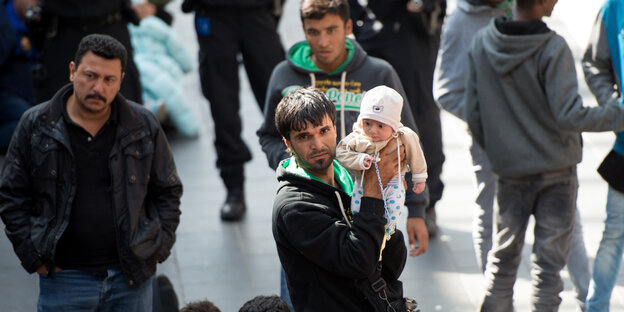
(530, 130)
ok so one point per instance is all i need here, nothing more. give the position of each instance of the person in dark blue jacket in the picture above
(17, 60)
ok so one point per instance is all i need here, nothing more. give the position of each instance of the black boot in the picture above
(234, 207)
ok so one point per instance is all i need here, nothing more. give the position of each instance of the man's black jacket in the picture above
(38, 186)
(324, 256)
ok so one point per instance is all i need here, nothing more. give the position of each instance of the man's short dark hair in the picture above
(200, 306)
(317, 9)
(526, 4)
(265, 304)
(103, 46)
(301, 106)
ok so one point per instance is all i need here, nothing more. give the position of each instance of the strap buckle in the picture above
(378, 285)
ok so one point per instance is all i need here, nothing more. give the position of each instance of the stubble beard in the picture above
(318, 164)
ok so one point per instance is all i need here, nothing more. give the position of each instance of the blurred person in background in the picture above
(162, 59)
(18, 57)
(58, 26)
(225, 30)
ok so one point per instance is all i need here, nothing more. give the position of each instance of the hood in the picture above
(477, 6)
(506, 52)
(299, 57)
(288, 170)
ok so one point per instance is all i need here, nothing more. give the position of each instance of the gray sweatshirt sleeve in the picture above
(471, 107)
(449, 79)
(561, 87)
(271, 141)
(598, 67)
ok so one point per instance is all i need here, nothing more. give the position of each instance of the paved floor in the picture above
(229, 263)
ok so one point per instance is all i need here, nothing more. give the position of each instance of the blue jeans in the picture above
(74, 290)
(609, 256)
(551, 199)
(11, 109)
(284, 293)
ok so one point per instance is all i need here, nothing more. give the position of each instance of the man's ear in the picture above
(348, 27)
(72, 71)
(287, 143)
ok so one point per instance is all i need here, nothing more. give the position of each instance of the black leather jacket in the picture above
(38, 186)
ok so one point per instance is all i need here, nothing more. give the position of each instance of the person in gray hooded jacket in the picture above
(457, 33)
(523, 107)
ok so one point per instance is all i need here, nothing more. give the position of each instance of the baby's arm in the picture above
(414, 157)
(350, 152)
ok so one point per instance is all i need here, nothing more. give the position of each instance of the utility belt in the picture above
(89, 24)
(49, 25)
(201, 10)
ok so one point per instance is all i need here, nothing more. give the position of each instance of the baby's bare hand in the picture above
(368, 161)
(418, 188)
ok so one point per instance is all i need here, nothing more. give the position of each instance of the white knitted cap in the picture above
(382, 104)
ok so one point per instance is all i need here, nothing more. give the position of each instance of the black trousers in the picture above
(60, 49)
(413, 56)
(223, 33)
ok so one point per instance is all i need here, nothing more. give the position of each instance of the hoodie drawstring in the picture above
(343, 78)
(396, 135)
(342, 209)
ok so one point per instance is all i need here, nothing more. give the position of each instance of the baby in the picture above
(378, 123)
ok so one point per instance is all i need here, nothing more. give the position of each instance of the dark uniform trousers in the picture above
(223, 33)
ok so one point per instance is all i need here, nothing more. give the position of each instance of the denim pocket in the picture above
(202, 26)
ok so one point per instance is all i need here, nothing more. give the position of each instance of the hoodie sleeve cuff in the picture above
(372, 205)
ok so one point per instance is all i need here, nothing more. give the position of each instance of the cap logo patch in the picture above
(377, 108)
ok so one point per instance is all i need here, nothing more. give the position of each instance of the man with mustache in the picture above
(89, 192)
(333, 259)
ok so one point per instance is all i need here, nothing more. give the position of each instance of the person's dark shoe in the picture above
(431, 222)
(234, 207)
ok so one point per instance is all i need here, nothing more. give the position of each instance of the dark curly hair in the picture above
(265, 304)
(103, 46)
(301, 106)
(200, 306)
(317, 9)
